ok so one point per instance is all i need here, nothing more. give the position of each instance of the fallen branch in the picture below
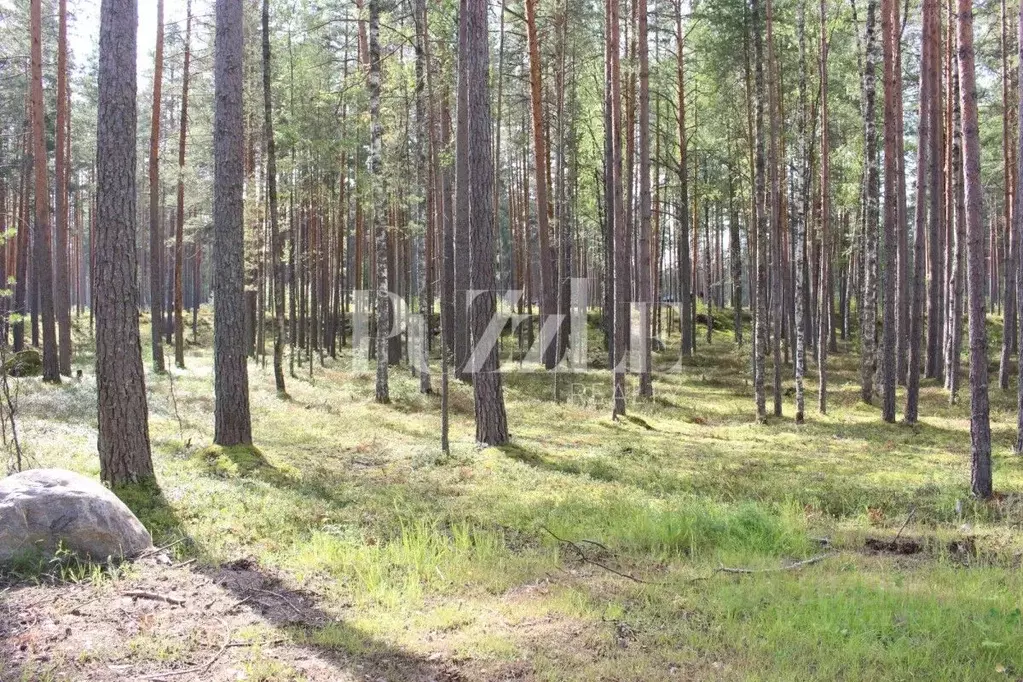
(587, 560)
(597, 544)
(905, 523)
(269, 642)
(156, 550)
(238, 603)
(790, 567)
(139, 594)
(84, 603)
(282, 598)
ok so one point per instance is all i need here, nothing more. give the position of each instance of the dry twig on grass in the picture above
(140, 594)
(587, 560)
(282, 598)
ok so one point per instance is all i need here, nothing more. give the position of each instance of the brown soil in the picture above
(236, 622)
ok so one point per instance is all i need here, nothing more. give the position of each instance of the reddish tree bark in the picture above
(980, 425)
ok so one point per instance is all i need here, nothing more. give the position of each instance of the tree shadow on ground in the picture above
(217, 607)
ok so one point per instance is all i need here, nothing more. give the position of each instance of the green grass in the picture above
(419, 552)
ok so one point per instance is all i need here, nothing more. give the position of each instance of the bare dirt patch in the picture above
(236, 622)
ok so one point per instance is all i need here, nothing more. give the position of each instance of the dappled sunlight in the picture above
(512, 558)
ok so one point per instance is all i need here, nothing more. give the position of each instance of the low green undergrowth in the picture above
(587, 548)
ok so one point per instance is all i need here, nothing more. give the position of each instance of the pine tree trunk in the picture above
(61, 285)
(776, 313)
(956, 283)
(179, 231)
(620, 250)
(423, 208)
(682, 213)
(123, 435)
(936, 220)
(491, 421)
(22, 238)
(155, 222)
(276, 250)
(375, 164)
(868, 328)
(540, 167)
(801, 192)
(904, 279)
(888, 359)
(734, 259)
(1009, 340)
(824, 314)
(460, 216)
(42, 271)
(980, 425)
(645, 297)
(1017, 215)
(760, 322)
(924, 159)
(232, 420)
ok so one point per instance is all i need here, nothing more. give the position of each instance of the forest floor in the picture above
(349, 548)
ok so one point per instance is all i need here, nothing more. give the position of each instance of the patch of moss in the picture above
(233, 460)
(25, 363)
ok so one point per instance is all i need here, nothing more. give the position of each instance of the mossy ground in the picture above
(455, 557)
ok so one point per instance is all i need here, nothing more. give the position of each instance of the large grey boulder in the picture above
(41, 508)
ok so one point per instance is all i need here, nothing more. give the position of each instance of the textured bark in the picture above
(422, 207)
(123, 435)
(155, 221)
(233, 422)
(682, 238)
(735, 260)
(491, 421)
(868, 326)
(375, 165)
(1009, 340)
(776, 314)
(22, 246)
(620, 244)
(956, 284)
(460, 216)
(980, 425)
(179, 228)
(760, 322)
(540, 167)
(276, 245)
(934, 367)
(445, 213)
(888, 354)
(801, 191)
(903, 280)
(567, 171)
(61, 284)
(42, 270)
(924, 161)
(824, 297)
(643, 279)
(1017, 215)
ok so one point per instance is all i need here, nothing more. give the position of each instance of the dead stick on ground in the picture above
(139, 594)
(238, 603)
(905, 523)
(282, 598)
(790, 567)
(269, 642)
(585, 559)
(156, 550)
